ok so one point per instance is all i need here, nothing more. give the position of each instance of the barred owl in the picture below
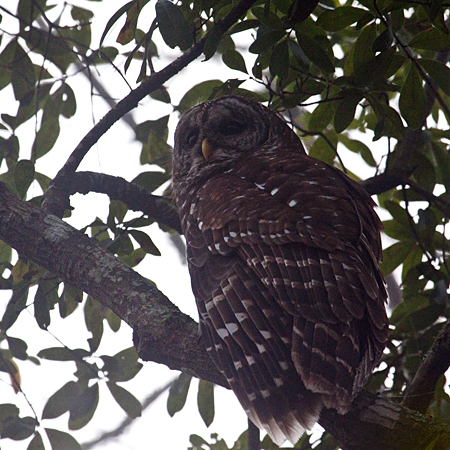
(283, 254)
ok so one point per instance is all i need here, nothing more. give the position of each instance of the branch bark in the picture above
(165, 335)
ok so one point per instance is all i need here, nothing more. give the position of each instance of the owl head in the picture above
(212, 136)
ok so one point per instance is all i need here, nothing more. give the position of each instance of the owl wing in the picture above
(308, 238)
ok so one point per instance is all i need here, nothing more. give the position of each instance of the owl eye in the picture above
(231, 127)
(192, 138)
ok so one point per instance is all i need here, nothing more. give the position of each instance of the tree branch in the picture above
(134, 196)
(165, 335)
(56, 199)
(420, 393)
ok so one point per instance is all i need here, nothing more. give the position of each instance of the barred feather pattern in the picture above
(283, 254)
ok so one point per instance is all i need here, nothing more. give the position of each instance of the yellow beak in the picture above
(206, 149)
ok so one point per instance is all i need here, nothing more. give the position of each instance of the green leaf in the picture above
(314, 52)
(150, 180)
(61, 401)
(413, 102)
(123, 366)
(363, 48)
(94, 322)
(265, 41)
(114, 18)
(61, 441)
(83, 410)
(6, 57)
(62, 354)
(279, 60)
(345, 111)
(268, 18)
(359, 147)
(340, 18)
(23, 176)
(320, 117)
(205, 401)
(197, 94)
(431, 39)
(145, 242)
(173, 26)
(321, 148)
(29, 10)
(36, 443)
(19, 428)
(128, 402)
(234, 60)
(438, 71)
(17, 347)
(395, 255)
(134, 258)
(23, 75)
(178, 394)
(384, 41)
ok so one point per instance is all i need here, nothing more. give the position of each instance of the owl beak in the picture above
(206, 149)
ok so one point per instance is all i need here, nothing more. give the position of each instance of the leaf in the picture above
(359, 147)
(320, 117)
(6, 58)
(61, 441)
(94, 322)
(114, 18)
(23, 75)
(340, 18)
(18, 347)
(234, 60)
(363, 48)
(279, 60)
(268, 18)
(128, 402)
(384, 41)
(412, 102)
(205, 401)
(178, 394)
(431, 39)
(123, 366)
(266, 40)
(61, 401)
(345, 111)
(128, 31)
(145, 242)
(83, 410)
(395, 255)
(23, 176)
(173, 26)
(150, 180)
(438, 71)
(314, 52)
(19, 428)
(62, 354)
(197, 94)
(36, 443)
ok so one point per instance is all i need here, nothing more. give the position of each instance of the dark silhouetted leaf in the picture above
(61, 401)
(234, 60)
(314, 52)
(61, 441)
(412, 102)
(127, 401)
(83, 410)
(431, 39)
(62, 354)
(395, 255)
(123, 366)
(23, 176)
(18, 347)
(36, 443)
(151, 180)
(345, 111)
(145, 242)
(439, 72)
(114, 18)
(178, 393)
(173, 26)
(279, 60)
(339, 18)
(198, 93)
(205, 401)
(268, 18)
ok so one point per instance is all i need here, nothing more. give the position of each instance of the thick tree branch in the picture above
(56, 199)
(134, 196)
(165, 335)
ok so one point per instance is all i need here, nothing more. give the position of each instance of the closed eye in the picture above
(231, 127)
(192, 138)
